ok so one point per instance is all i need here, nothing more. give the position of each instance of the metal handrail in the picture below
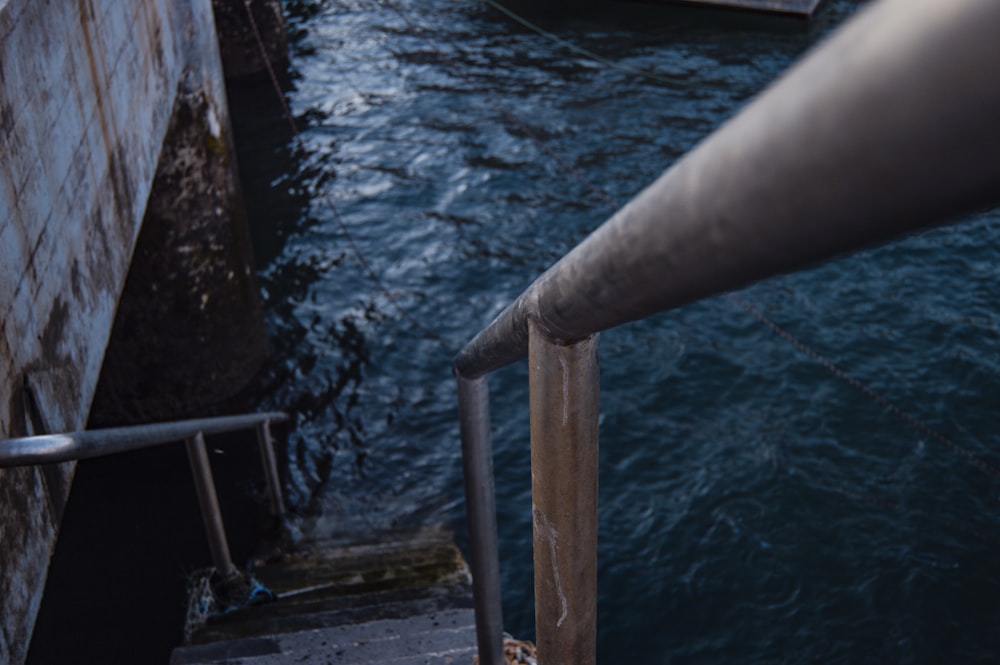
(50, 448)
(53, 448)
(888, 127)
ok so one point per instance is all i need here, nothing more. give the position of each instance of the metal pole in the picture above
(564, 388)
(480, 499)
(31, 450)
(208, 500)
(268, 459)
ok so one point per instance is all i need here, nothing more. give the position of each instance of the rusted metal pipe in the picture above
(480, 501)
(888, 127)
(208, 500)
(270, 463)
(563, 381)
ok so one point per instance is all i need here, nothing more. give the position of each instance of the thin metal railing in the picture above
(53, 448)
(888, 127)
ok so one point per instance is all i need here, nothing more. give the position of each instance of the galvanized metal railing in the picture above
(890, 126)
(52, 448)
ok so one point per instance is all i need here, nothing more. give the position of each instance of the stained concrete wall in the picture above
(189, 332)
(86, 93)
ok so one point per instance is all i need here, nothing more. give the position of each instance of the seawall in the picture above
(88, 90)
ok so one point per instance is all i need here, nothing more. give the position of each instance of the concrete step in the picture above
(399, 599)
(363, 570)
(315, 604)
(265, 623)
(441, 637)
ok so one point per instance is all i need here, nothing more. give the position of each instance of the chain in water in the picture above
(885, 403)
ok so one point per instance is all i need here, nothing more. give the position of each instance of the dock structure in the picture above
(403, 599)
(802, 8)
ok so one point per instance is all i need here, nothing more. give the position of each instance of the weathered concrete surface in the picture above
(189, 332)
(238, 36)
(403, 598)
(86, 92)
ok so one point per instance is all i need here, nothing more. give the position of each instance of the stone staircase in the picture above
(404, 599)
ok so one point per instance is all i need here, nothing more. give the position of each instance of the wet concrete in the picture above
(401, 597)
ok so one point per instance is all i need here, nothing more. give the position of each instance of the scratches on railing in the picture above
(551, 536)
(565, 391)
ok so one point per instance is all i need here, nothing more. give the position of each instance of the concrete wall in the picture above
(189, 332)
(86, 93)
(242, 34)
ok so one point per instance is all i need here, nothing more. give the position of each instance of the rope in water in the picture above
(586, 52)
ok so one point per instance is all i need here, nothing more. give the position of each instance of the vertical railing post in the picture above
(270, 462)
(480, 499)
(209, 501)
(564, 386)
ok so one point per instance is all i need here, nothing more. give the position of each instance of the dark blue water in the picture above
(756, 507)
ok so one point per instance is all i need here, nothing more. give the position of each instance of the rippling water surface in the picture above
(755, 506)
